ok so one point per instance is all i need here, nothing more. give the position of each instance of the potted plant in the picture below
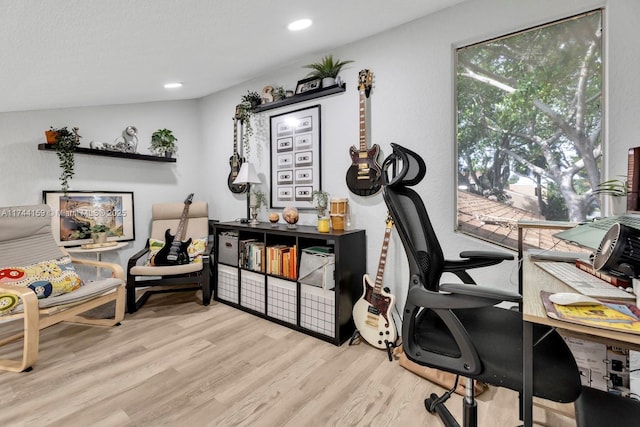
(326, 69)
(163, 143)
(99, 233)
(279, 93)
(244, 111)
(321, 199)
(65, 144)
(617, 189)
(51, 135)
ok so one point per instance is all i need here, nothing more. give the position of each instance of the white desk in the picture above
(534, 280)
(97, 251)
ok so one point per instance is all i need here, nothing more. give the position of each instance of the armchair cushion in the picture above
(195, 249)
(47, 278)
(95, 288)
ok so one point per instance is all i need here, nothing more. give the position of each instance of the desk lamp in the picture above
(247, 175)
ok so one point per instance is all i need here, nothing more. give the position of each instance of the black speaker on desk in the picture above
(619, 251)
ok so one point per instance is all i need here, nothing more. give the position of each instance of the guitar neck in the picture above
(235, 136)
(363, 123)
(181, 231)
(377, 288)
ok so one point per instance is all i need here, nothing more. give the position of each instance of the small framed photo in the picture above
(307, 85)
(76, 212)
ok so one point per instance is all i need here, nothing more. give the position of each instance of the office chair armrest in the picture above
(502, 256)
(481, 291)
(473, 259)
(458, 295)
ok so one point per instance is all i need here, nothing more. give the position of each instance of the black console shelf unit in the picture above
(322, 313)
(107, 153)
(313, 94)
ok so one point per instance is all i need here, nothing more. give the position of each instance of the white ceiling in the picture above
(68, 53)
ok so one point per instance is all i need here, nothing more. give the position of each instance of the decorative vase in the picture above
(168, 154)
(99, 237)
(328, 81)
(290, 215)
(618, 205)
(323, 224)
(254, 215)
(51, 135)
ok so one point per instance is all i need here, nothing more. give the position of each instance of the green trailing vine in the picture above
(65, 145)
(244, 112)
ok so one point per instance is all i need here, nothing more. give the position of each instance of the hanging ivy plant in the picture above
(244, 112)
(65, 145)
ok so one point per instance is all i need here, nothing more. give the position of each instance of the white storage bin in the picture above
(227, 283)
(318, 310)
(252, 290)
(317, 269)
(282, 300)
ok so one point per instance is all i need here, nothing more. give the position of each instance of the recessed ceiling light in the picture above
(173, 85)
(300, 24)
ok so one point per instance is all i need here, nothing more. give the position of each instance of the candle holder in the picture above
(254, 215)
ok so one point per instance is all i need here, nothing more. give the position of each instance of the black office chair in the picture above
(455, 327)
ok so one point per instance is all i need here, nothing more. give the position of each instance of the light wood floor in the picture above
(178, 363)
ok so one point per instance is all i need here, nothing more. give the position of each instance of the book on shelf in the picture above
(620, 281)
(281, 261)
(252, 255)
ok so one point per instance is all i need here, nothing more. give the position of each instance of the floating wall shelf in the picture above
(106, 153)
(331, 90)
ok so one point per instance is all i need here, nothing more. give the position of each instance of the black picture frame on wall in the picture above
(295, 145)
(74, 213)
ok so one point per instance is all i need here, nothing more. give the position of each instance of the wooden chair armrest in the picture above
(118, 271)
(24, 293)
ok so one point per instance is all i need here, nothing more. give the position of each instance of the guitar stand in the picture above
(390, 346)
(355, 336)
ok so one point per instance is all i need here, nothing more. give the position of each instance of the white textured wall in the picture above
(411, 104)
(26, 172)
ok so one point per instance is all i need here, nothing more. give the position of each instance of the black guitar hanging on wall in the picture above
(235, 161)
(364, 175)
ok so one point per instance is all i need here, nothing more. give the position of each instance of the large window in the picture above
(529, 125)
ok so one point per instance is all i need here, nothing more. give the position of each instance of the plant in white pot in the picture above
(327, 69)
(99, 233)
(617, 189)
(163, 143)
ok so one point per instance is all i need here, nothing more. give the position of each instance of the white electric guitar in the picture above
(372, 312)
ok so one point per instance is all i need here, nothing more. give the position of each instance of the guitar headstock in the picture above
(365, 81)
(389, 220)
(189, 199)
(238, 113)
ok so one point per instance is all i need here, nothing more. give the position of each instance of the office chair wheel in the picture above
(431, 402)
(435, 405)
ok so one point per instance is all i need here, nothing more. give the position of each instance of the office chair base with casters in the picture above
(435, 405)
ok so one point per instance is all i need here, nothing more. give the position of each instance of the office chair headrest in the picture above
(408, 167)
